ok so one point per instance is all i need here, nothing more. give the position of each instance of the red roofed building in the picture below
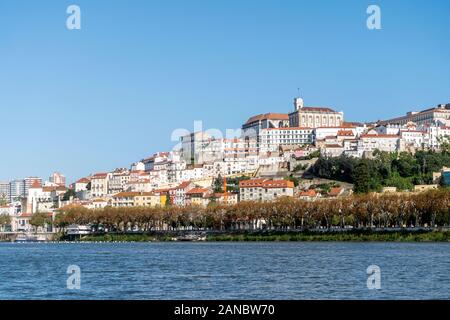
(99, 184)
(265, 189)
(309, 195)
(336, 192)
(198, 196)
(252, 127)
(178, 194)
(229, 198)
(81, 184)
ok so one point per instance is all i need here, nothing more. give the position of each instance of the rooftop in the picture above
(268, 116)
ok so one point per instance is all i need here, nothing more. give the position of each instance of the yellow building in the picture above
(138, 199)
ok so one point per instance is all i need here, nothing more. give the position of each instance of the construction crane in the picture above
(225, 194)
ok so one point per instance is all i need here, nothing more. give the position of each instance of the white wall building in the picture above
(272, 138)
(382, 142)
(314, 117)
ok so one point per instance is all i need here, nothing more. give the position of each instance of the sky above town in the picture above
(90, 100)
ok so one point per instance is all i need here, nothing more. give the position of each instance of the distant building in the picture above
(138, 199)
(16, 190)
(265, 189)
(118, 180)
(439, 114)
(309, 195)
(446, 178)
(178, 194)
(198, 196)
(81, 184)
(228, 198)
(251, 129)
(4, 192)
(425, 187)
(381, 142)
(336, 192)
(314, 117)
(99, 184)
(58, 179)
(271, 139)
(28, 182)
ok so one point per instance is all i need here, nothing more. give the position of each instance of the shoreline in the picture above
(281, 236)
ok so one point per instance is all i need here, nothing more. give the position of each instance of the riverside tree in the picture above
(364, 210)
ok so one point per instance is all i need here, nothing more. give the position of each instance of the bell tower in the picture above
(298, 103)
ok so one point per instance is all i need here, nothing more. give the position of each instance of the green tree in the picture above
(3, 200)
(5, 220)
(69, 193)
(361, 178)
(40, 219)
(218, 184)
(293, 179)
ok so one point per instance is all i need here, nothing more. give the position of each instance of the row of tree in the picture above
(430, 208)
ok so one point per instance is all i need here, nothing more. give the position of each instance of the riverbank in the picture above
(353, 235)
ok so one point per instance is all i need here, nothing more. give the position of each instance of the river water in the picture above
(250, 270)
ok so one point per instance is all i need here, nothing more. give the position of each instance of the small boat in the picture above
(22, 238)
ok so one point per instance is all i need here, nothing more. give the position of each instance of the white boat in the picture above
(27, 238)
(78, 230)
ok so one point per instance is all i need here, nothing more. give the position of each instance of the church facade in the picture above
(314, 117)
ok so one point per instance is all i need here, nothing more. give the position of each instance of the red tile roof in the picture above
(36, 184)
(83, 180)
(308, 193)
(265, 183)
(345, 133)
(334, 192)
(183, 185)
(197, 190)
(268, 116)
(101, 175)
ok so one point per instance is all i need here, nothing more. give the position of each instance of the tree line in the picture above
(401, 170)
(427, 209)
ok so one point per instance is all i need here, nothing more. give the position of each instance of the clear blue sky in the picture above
(111, 93)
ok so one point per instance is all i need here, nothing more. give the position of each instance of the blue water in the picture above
(271, 270)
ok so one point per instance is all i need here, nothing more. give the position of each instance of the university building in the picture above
(314, 117)
(439, 114)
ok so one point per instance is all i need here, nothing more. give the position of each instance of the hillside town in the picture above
(269, 159)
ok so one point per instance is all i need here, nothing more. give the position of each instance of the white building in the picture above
(138, 166)
(381, 142)
(332, 150)
(323, 132)
(16, 190)
(412, 138)
(265, 189)
(439, 114)
(58, 179)
(99, 184)
(272, 138)
(435, 135)
(118, 181)
(252, 128)
(314, 117)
